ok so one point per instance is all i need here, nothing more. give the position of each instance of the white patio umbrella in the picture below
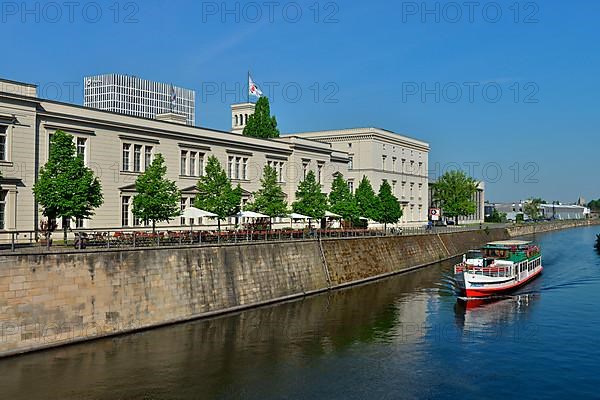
(250, 214)
(329, 214)
(298, 216)
(294, 216)
(193, 212)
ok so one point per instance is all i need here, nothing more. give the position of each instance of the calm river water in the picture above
(405, 337)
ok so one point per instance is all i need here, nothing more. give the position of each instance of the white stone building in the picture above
(119, 147)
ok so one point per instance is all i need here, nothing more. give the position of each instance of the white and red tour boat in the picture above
(498, 267)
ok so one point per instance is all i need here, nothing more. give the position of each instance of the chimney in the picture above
(172, 117)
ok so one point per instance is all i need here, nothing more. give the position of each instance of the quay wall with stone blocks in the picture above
(60, 298)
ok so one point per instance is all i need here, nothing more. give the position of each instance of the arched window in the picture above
(236, 120)
(241, 119)
(246, 119)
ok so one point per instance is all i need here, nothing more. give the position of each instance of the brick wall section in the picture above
(529, 229)
(61, 298)
(461, 242)
(357, 259)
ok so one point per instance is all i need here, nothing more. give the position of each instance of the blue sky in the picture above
(507, 92)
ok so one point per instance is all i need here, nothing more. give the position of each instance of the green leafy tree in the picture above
(342, 201)
(453, 192)
(532, 208)
(215, 192)
(366, 200)
(390, 210)
(66, 188)
(496, 217)
(594, 205)
(269, 199)
(261, 124)
(310, 200)
(157, 198)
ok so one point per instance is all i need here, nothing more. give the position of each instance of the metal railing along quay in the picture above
(119, 238)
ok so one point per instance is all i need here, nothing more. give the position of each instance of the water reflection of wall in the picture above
(211, 355)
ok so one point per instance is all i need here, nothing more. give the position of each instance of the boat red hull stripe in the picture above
(487, 292)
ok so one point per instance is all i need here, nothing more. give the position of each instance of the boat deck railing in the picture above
(492, 272)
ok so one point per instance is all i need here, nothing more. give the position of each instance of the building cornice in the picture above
(67, 128)
(364, 134)
(139, 139)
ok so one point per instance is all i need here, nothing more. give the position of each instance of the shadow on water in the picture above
(210, 355)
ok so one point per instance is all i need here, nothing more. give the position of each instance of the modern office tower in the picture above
(138, 97)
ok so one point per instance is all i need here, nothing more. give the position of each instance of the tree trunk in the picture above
(456, 220)
(219, 225)
(65, 227)
(153, 227)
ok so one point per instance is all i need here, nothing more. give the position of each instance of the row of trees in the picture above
(67, 189)
(383, 207)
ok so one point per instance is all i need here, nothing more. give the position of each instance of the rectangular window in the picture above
(304, 169)
(351, 186)
(394, 164)
(200, 164)
(350, 162)
(184, 155)
(147, 157)
(137, 158)
(193, 163)
(81, 147)
(126, 151)
(79, 223)
(320, 174)
(49, 143)
(245, 169)
(183, 206)
(125, 211)
(280, 172)
(237, 167)
(3, 194)
(230, 167)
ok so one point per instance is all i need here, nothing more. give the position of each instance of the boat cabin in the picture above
(511, 250)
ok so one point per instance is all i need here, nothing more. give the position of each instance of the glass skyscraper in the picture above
(131, 95)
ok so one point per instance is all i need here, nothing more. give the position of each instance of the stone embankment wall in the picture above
(530, 229)
(55, 299)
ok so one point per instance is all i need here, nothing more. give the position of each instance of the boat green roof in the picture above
(509, 243)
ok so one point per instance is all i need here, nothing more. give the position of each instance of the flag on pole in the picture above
(253, 88)
(173, 95)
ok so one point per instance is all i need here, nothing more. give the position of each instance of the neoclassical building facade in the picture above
(119, 148)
